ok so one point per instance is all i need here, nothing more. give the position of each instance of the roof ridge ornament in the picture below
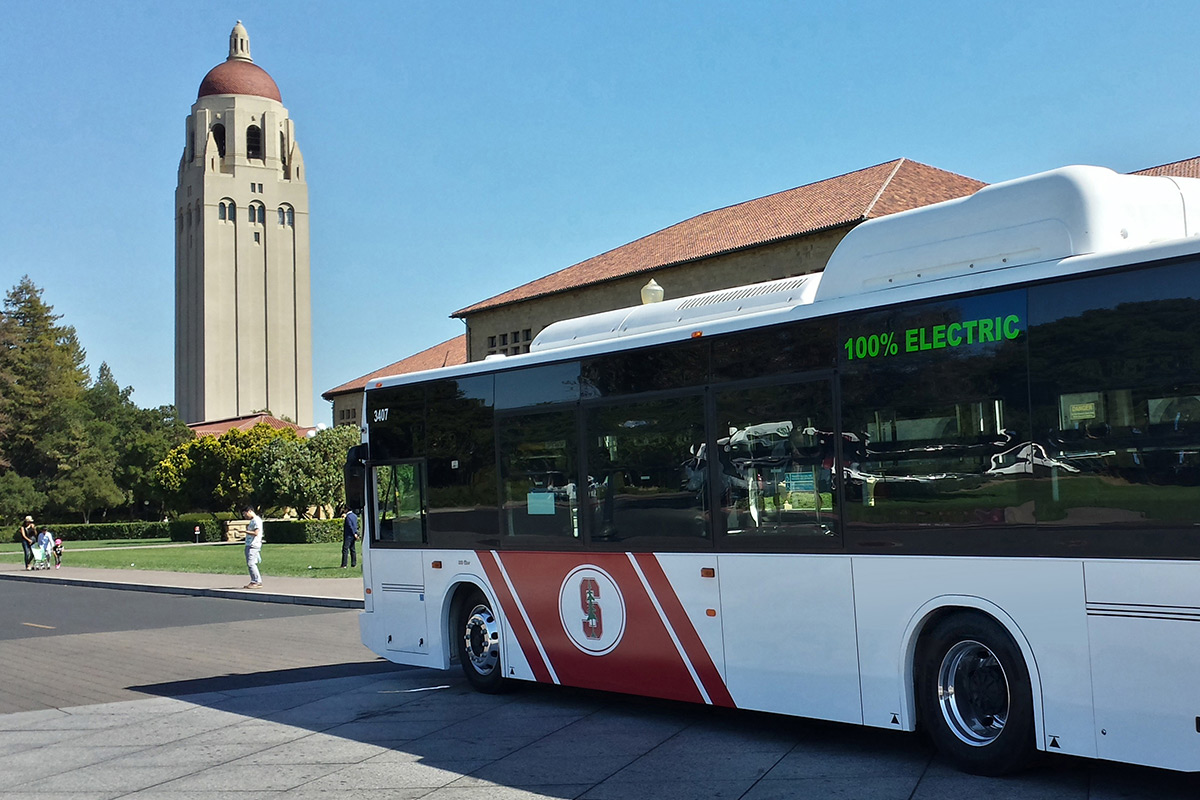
(239, 44)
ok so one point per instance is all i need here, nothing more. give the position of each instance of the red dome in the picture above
(239, 77)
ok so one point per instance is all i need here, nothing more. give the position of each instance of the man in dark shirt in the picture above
(349, 537)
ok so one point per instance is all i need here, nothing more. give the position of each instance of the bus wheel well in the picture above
(463, 591)
(973, 691)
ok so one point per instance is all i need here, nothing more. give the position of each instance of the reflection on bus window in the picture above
(777, 457)
(399, 504)
(537, 468)
(939, 436)
(647, 473)
(1115, 362)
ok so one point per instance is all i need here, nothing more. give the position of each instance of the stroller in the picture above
(41, 558)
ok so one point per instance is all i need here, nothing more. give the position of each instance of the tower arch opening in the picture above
(254, 142)
(218, 134)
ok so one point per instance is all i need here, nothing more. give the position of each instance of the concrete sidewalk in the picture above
(329, 592)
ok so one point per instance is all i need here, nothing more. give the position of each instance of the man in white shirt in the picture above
(254, 540)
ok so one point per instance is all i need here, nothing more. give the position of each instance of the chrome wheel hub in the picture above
(481, 640)
(973, 693)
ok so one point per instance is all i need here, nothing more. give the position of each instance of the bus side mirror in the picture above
(355, 475)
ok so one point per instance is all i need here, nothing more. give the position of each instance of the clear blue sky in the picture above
(456, 150)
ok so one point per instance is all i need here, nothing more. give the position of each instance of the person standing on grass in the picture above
(254, 541)
(28, 537)
(349, 537)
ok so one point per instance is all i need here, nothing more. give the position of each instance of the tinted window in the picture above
(652, 369)
(777, 446)
(538, 469)
(552, 383)
(782, 350)
(935, 415)
(399, 504)
(646, 470)
(396, 422)
(461, 462)
(1115, 370)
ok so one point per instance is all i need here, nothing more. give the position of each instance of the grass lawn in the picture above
(291, 560)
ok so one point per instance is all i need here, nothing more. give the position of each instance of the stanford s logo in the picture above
(593, 619)
(592, 610)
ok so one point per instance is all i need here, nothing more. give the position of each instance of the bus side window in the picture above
(777, 446)
(399, 504)
(1121, 415)
(646, 470)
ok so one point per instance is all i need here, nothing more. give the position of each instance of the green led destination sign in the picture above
(934, 337)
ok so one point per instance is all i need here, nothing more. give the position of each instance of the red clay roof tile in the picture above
(1188, 168)
(220, 426)
(872, 192)
(446, 354)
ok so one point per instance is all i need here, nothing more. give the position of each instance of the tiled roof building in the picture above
(245, 423)
(347, 398)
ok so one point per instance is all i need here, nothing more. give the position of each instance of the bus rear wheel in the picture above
(974, 696)
(479, 637)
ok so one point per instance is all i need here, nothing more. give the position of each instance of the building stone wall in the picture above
(798, 256)
(347, 408)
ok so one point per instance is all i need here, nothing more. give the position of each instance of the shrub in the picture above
(110, 530)
(303, 531)
(185, 530)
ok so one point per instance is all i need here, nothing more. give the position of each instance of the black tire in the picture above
(973, 695)
(478, 635)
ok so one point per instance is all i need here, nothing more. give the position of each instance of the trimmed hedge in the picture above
(211, 530)
(302, 531)
(110, 530)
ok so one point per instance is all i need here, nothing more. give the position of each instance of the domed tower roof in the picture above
(238, 74)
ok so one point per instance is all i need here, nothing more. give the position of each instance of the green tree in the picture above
(142, 442)
(18, 497)
(329, 448)
(214, 473)
(305, 474)
(45, 374)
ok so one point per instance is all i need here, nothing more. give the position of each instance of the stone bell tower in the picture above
(243, 322)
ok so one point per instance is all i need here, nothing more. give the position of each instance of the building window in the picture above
(221, 211)
(218, 134)
(257, 237)
(527, 334)
(291, 218)
(503, 339)
(491, 341)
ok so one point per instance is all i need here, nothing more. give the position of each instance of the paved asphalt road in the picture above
(74, 646)
(134, 694)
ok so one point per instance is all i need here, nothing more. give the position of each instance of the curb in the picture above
(227, 594)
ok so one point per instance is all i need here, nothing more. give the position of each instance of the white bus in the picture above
(952, 483)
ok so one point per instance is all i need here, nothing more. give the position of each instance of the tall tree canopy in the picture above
(68, 445)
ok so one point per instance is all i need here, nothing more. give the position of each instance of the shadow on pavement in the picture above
(389, 727)
(236, 681)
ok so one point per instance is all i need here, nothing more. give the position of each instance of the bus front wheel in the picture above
(479, 635)
(974, 695)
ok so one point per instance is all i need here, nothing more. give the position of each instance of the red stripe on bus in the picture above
(645, 661)
(511, 615)
(691, 642)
